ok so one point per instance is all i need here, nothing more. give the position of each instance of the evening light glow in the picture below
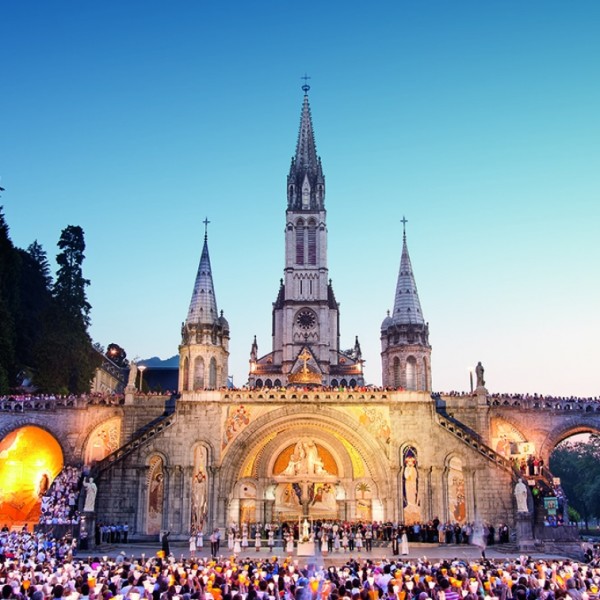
(477, 121)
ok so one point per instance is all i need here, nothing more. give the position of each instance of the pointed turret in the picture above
(405, 349)
(203, 305)
(306, 183)
(407, 308)
(204, 349)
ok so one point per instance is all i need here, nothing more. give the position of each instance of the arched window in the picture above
(199, 373)
(312, 242)
(268, 383)
(410, 486)
(259, 383)
(156, 489)
(186, 374)
(300, 242)
(457, 505)
(353, 383)
(425, 375)
(212, 375)
(334, 383)
(277, 383)
(411, 373)
(396, 372)
(344, 383)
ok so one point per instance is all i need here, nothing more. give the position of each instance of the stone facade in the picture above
(326, 448)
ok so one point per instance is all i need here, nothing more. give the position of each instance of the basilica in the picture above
(305, 439)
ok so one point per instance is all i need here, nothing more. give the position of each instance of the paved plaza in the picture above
(180, 550)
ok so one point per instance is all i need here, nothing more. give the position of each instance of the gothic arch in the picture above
(259, 433)
(411, 482)
(155, 486)
(30, 422)
(455, 488)
(199, 382)
(186, 374)
(102, 440)
(212, 373)
(561, 433)
(396, 372)
(504, 434)
(412, 373)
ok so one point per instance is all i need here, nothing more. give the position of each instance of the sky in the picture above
(478, 121)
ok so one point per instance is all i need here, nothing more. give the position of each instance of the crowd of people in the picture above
(115, 399)
(344, 536)
(62, 400)
(111, 533)
(34, 567)
(59, 502)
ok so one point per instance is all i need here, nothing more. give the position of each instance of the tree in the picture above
(568, 461)
(8, 301)
(40, 259)
(69, 288)
(65, 356)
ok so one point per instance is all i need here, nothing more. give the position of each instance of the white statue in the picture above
(132, 374)
(305, 530)
(521, 496)
(91, 489)
(305, 460)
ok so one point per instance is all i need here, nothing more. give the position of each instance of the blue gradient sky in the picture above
(479, 121)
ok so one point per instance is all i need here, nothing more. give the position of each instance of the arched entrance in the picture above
(30, 459)
(304, 466)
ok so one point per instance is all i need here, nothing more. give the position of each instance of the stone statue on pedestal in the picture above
(91, 489)
(521, 497)
(479, 373)
(132, 375)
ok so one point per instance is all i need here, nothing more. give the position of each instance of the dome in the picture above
(223, 322)
(387, 322)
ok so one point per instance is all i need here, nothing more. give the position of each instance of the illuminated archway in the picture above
(30, 459)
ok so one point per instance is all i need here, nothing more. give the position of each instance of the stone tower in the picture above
(306, 336)
(405, 349)
(204, 349)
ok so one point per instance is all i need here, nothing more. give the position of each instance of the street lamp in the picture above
(471, 378)
(142, 368)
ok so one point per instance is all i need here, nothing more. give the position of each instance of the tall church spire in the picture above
(306, 183)
(405, 349)
(204, 349)
(306, 323)
(407, 308)
(203, 305)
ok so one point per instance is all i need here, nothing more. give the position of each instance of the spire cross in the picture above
(305, 356)
(305, 87)
(404, 221)
(206, 222)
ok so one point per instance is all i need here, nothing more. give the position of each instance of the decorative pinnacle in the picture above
(206, 222)
(404, 221)
(305, 87)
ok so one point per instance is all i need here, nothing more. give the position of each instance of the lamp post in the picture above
(142, 368)
(471, 378)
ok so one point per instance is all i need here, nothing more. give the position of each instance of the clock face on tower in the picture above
(306, 319)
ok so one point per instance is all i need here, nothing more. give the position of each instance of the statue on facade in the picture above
(91, 489)
(479, 373)
(305, 460)
(132, 374)
(521, 496)
(305, 530)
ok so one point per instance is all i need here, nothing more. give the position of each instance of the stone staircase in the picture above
(141, 437)
(469, 437)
